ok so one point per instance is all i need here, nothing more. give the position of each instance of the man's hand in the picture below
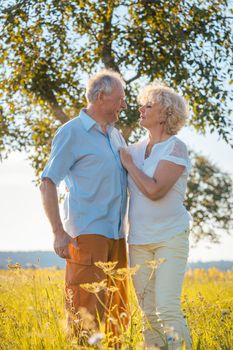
(61, 244)
(50, 203)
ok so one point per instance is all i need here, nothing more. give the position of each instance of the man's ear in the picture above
(100, 96)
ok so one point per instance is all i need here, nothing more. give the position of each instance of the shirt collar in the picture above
(110, 128)
(89, 122)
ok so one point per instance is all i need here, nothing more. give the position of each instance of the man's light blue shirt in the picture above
(89, 163)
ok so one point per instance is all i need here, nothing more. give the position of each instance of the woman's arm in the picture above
(165, 176)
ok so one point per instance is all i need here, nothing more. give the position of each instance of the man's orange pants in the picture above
(110, 303)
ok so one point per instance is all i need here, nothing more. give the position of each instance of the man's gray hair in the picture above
(103, 81)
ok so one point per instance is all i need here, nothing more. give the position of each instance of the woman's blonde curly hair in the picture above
(174, 107)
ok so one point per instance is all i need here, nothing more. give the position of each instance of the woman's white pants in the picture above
(159, 292)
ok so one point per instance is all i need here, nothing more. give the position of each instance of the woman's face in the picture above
(151, 115)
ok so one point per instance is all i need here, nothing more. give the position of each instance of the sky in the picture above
(24, 226)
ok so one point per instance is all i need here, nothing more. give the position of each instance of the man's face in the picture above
(113, 104)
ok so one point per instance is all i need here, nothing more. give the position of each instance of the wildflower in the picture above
(95, 338)
(70, 294)
(169, 338)
(107, 267)
(154, 264)
(224, 313)
(158, 314)
(94, 287)
(16, 266)
(123, 315)
(84, 320)
(70, 298)
(112, 289)
(172, 338)
(133, 270)
(122, 273)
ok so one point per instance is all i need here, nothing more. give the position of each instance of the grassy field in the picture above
(32, 311)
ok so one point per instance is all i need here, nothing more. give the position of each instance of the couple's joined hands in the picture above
(61, 243)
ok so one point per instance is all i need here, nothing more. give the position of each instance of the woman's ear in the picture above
(164, 114)
(162, 118)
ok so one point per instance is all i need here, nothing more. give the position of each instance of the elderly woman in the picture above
(158, 168)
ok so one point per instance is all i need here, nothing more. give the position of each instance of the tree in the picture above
(209, 199)
(49, 47)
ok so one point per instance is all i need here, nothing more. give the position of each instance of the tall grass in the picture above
(32, 313)
(208, 304)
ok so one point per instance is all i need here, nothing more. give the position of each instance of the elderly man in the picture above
(85, 155)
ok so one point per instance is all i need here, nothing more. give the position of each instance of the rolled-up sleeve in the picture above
(61, 158)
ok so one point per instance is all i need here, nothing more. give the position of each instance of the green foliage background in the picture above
(49, 48)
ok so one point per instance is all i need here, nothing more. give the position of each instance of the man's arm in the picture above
(50, 204)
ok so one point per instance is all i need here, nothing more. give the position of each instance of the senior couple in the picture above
(91, 156)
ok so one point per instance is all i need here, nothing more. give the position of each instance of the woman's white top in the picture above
(157, 221)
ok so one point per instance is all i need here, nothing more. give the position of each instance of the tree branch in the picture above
(106, 45)
(43, 88)
(133, 78)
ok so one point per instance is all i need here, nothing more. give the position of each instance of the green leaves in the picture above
(49, 48)
(209, 199)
